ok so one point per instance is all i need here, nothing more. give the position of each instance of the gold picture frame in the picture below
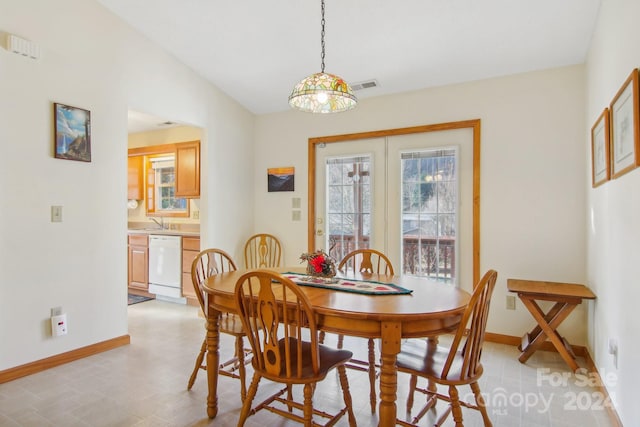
(600, 149)
(625, 128)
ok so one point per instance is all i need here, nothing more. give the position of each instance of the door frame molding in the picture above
(473, 124)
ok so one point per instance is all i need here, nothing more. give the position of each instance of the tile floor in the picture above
(144, 384)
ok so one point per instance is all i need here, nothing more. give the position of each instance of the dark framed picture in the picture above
(600, 165)
(280, 179)
(72, 133)
(625, 128)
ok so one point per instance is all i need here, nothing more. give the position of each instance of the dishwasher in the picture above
(165, 267)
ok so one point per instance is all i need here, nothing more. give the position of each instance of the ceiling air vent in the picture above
(364, 85)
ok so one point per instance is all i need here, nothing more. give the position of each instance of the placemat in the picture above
(349, 285)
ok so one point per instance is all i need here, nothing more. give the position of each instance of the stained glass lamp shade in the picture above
(322, 93)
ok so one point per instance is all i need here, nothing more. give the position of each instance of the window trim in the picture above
(151, 191)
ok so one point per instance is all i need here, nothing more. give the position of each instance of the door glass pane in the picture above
(349, 204)
(429, 215)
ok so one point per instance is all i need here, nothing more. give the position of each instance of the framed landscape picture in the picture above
(280, 179)
(625, 128)
(600, 165)
(72, 133)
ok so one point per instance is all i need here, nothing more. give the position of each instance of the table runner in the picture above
(368, 287)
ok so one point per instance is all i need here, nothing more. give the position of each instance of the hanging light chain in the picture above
(322, 35)
(322, 92)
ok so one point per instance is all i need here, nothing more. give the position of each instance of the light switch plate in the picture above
(56, 213)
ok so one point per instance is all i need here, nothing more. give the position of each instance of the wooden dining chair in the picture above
(207, 263)
(451, 366)
(366, 261)
(277, 315)
(262, 251)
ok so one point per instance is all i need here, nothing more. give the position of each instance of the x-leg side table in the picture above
(566, 296)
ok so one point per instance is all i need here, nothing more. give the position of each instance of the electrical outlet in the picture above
(511, 302)
(196, 214)
(613, 350)
(59, 325)
(295, 215)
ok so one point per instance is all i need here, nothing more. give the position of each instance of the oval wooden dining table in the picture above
(431, 309)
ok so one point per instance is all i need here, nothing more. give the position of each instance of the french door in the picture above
(350, 195)
(410, 196)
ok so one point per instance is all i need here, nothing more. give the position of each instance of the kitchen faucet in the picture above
(160, 223)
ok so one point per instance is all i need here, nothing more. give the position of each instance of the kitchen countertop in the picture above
(187, 233)
(171, 229)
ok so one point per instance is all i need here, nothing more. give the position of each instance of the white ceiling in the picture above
(255, 51)
(143, 122)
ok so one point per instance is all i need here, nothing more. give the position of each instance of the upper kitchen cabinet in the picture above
(136, 178)
(185, 170)
(188, 169)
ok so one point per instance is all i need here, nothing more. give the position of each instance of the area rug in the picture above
(134, 299)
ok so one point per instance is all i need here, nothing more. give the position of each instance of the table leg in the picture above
(390, 347)
(548, 325)
(432, 343)
(537, 330)
(213, 360)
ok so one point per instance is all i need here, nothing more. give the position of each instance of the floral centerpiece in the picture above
(319, 264)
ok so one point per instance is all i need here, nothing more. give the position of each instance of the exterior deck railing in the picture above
(425, 257)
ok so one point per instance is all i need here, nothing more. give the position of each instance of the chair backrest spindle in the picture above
(366, 261)
(274, 312)
(207, 263)
(470, 343)
(262, 251)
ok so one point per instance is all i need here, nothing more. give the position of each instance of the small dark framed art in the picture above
(600, 165)
(625, 128)
(72, 133)
(280, 179)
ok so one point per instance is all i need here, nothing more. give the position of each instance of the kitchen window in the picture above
(161, 188)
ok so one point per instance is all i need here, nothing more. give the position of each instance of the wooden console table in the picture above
(566, 297)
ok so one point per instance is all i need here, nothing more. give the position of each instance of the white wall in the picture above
(532, 184)
(164, 136)
(613, 211)
(91, 59)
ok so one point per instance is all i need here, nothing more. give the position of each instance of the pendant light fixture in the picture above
(322, 92)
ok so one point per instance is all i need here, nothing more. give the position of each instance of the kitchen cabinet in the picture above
(138, 269)
(190, 249)
(186, 178)
(188, 169)
(136, 178)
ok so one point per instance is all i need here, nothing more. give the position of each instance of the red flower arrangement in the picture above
(319, 263)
